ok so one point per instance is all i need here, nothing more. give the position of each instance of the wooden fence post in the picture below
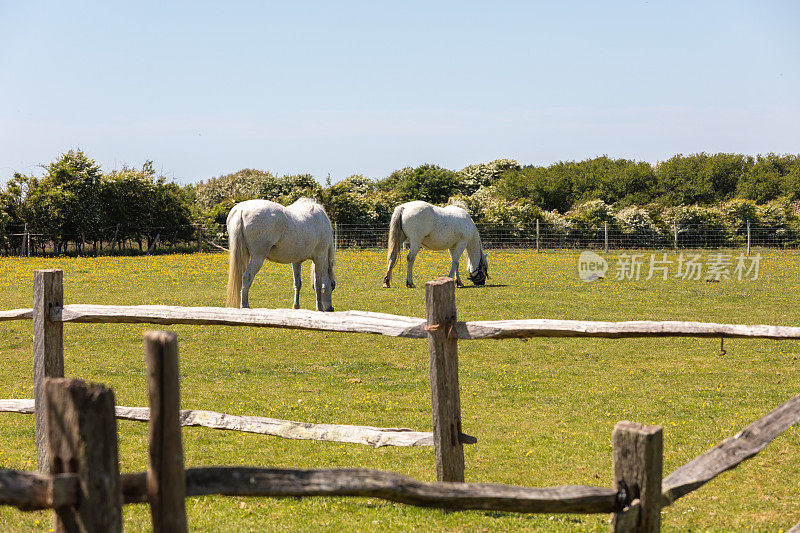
(82, 436)
(335, 236)
(748, 237)
(638, 469)
(48, 349)
(166, 478)
(114, 240)
(605, 236)
(440, 305)
(537, 234)
(675, 235)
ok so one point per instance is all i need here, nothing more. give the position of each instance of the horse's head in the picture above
(481, 273)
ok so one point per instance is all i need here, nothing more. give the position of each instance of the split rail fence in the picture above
(76, 433)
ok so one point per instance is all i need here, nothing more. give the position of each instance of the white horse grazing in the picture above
(260, 229)
(436, 228)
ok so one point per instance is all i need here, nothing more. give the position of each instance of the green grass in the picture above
(542, 409)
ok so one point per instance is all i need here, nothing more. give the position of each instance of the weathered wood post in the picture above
(605, 235)
(675, 235)
(336, 236)
(748, 237)
(114, 240)
(48, 349)
(638, 469)
(440, 305)
(82, 436)
(537, 234)
(199, 238)
(166, 479)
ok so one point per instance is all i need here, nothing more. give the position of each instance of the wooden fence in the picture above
(76, 423)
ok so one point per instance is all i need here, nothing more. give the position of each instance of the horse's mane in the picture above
(458, 203)
(308, 204)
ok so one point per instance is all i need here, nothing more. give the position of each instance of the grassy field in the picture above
(542, 410)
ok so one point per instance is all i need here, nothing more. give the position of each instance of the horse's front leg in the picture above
(298, 283)
(247, 278)
(412, 254)
(455, 255)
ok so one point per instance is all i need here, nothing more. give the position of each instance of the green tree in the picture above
(474, 177)
(126, 199)
(699, 178)
(430, 183)
(769, 177)
(348, 201)
(64, 203)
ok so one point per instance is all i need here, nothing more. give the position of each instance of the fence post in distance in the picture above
(675, 235)
(748, 237)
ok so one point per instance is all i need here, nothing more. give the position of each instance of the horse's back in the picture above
(437, 228)
(308, 234)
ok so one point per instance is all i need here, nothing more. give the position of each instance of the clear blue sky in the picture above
(208, 88)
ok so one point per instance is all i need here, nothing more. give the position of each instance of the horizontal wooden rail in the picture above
(288, 429)
(31, 491)
(730, 452)
(345, 321)
(278, 482)
(16, 314)
(401, 326)
(504, 329)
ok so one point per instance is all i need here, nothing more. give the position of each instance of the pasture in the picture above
(542, 409)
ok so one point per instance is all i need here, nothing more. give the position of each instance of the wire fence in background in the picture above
(541, 237)
(26, 240)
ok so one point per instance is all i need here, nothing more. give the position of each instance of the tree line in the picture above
(75, 201)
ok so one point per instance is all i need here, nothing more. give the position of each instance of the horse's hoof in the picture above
(386, 286)
(410, 285)
(458, 283)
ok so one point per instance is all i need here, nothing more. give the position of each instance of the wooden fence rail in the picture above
(399, 326)
(288, 429)
(74, 466)
(637, 460)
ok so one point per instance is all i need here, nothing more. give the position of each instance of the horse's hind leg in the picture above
(247, 278)
(387, 279)
(455, 255)
(412, 254)
(298, 283)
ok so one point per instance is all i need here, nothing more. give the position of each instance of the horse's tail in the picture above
(396, 235)
(238, 257)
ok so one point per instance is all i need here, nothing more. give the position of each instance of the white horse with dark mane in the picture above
(436, 228)
(260, 229)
